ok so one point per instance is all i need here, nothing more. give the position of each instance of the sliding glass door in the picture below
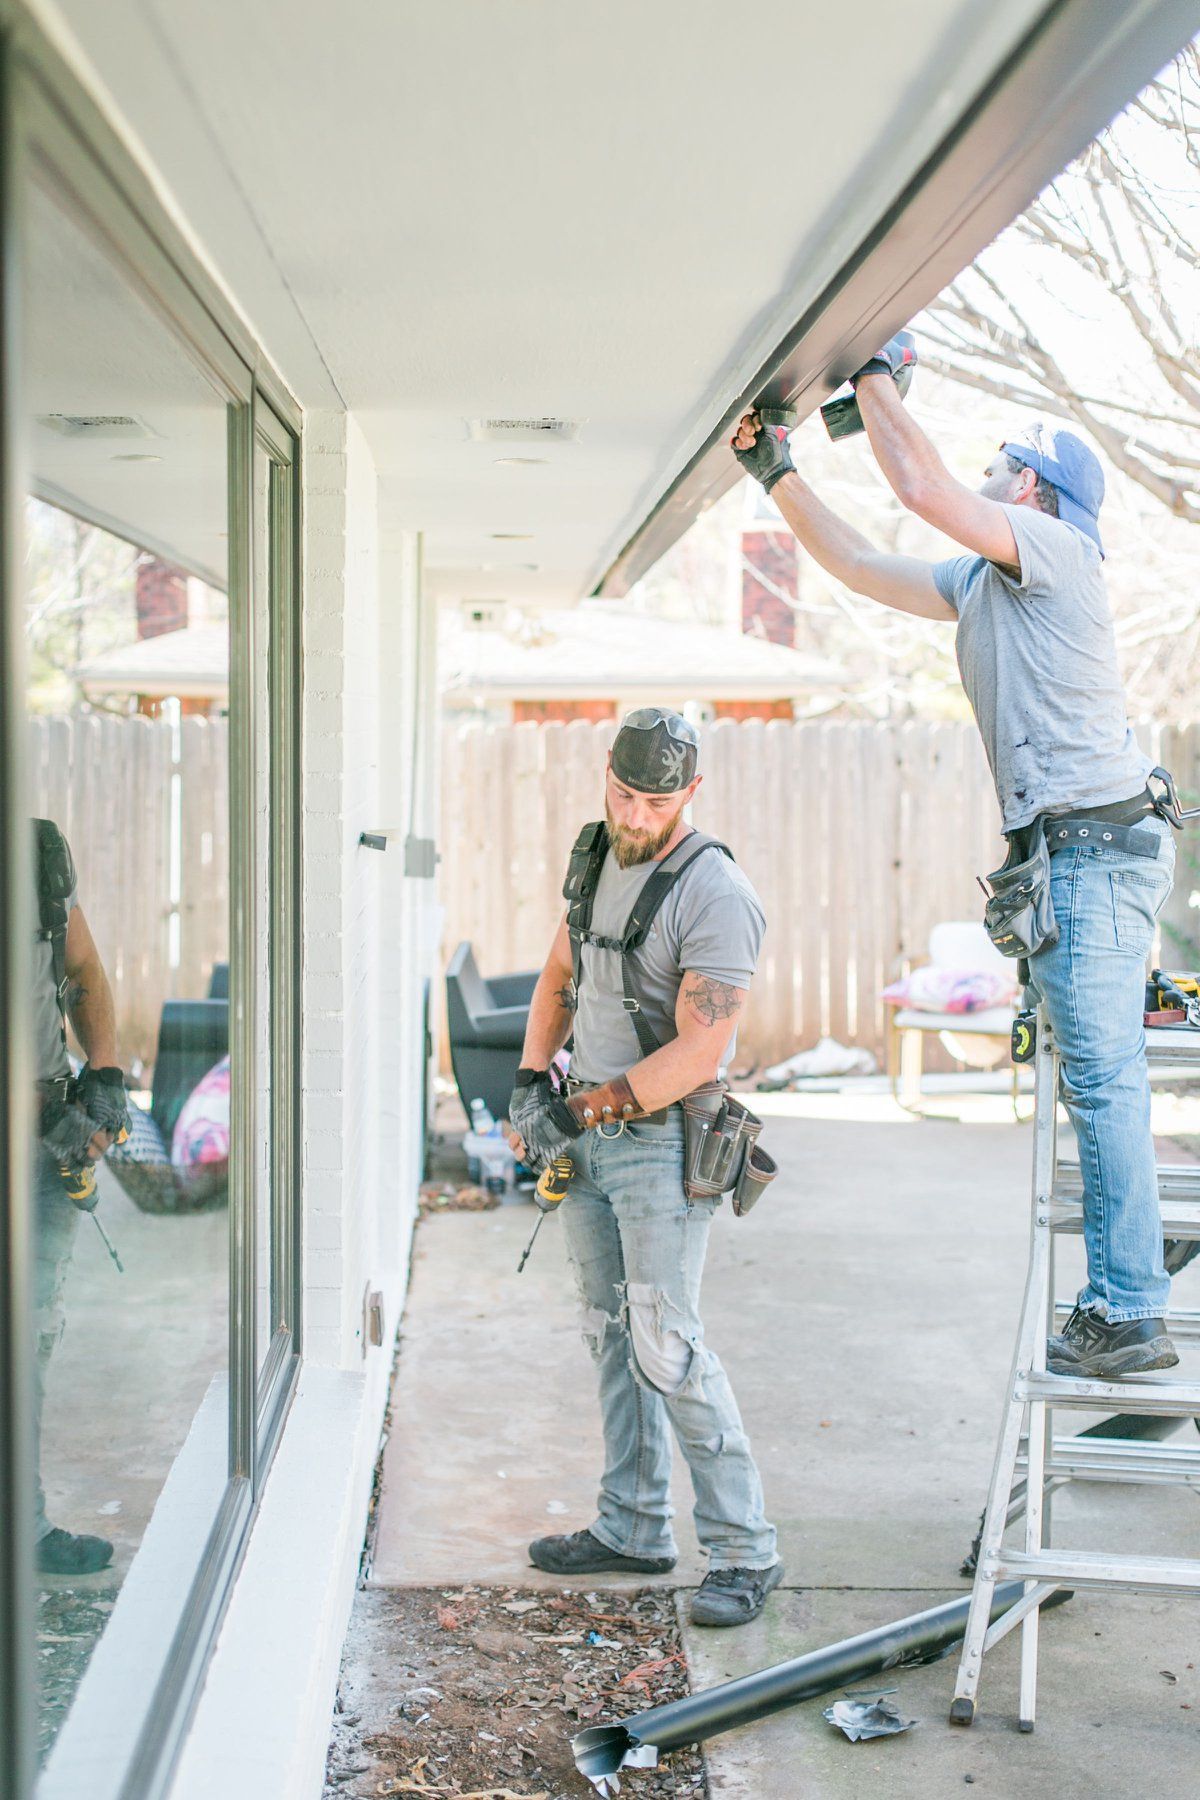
(150, 914)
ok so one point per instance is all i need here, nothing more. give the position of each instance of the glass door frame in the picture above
(283, 662)
(48, 123)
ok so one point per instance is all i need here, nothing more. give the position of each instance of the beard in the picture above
(633, 847)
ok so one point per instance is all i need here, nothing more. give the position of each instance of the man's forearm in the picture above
(664, 1077)
(911, 465)
(837, 546)
(93, 1016)
(551, 1015)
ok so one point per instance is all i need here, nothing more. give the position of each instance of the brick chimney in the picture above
(769, 550)
(161, 596)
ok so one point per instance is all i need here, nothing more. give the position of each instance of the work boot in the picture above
(71, 1553)
(1089, 1345)
(582, 1554)
(733, 1596)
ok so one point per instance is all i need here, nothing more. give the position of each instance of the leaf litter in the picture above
(473, 1693)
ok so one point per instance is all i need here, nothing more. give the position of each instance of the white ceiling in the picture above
(605, 210)
(96, 351)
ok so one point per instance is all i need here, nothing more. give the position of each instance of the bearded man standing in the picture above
(649, 1026)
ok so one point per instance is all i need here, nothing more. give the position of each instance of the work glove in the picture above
(101, 1093)
(898, 358)
(66, 1132)
(541, 1117)
(768, 458)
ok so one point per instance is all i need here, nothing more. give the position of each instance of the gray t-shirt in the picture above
(1039, 662)
(711, 923)
(50, 1058)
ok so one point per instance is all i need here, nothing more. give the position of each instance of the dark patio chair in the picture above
(487, 1029)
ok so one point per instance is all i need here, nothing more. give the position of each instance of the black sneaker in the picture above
(66, 1553)
(734, 1596)
(1089, 1345)
(582, 1554)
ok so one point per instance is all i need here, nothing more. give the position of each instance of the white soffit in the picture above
(604, 212)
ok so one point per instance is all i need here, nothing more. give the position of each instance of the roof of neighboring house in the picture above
(600, 649)
(190, 664)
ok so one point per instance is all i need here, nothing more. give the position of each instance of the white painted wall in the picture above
(341, 888)
(263, 1721)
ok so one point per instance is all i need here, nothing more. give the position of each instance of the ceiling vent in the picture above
(106, 426)
(522, 431)
(485, 615)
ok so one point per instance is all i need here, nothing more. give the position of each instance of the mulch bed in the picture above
(475, 1692)
(70, 1621)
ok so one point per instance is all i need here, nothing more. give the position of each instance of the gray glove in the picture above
(768, 458)
(898, 358)
(66, 1132)
(540, 1117)
(101, 1093)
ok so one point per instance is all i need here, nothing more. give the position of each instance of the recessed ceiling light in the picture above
(512, 537)
(135, 456)
(519, 462)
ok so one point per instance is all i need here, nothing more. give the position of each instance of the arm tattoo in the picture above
(566, 996)
(712, 1000)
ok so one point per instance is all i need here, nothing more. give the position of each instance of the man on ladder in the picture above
(1038, 660)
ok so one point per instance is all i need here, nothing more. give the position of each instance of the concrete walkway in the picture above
(866, 1314)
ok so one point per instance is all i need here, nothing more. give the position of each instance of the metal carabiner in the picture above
(1168, 806)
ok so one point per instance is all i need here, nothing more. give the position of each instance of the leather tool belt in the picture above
(1105, 827)
(720, 1149)
(1019, 915)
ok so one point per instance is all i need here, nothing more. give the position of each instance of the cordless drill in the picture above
(551, 1191)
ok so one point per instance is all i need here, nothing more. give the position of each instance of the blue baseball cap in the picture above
(1062, 459)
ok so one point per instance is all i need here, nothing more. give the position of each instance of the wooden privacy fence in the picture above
(858, 836)
(144, 804)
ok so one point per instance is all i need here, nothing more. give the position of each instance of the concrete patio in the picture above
(866, 1313)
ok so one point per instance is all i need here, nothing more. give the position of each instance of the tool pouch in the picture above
(758, 1172)
(1019, 915)
(719, 1137)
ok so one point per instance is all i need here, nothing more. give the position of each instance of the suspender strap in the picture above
(637, 929)
(579, 891)
(55, 869)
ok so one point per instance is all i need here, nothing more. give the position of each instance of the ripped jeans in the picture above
(638, 1249)
(56, 1221)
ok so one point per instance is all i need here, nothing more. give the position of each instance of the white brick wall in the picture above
(370, 933)
(341, 889)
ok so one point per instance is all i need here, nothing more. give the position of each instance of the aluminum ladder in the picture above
(1027, 1446)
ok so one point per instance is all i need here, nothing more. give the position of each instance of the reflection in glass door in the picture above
(127, 638)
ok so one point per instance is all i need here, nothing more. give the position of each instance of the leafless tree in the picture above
(1123, 220)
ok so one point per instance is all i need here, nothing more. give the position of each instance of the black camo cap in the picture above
(655, 751)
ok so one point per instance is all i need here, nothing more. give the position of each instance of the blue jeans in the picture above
(1093, 985)
(637, 1246)
(56, 1221)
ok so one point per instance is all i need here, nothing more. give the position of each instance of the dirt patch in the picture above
(70, 1621)
(446, 1195)
(477, 1691)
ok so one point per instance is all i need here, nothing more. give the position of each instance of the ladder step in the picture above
(1173, 1044)
(1183, 1322)
(1121, 1459)
(1176, 1181)
(1142, 1394)
(1180, 1218)
(1093, 1569)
